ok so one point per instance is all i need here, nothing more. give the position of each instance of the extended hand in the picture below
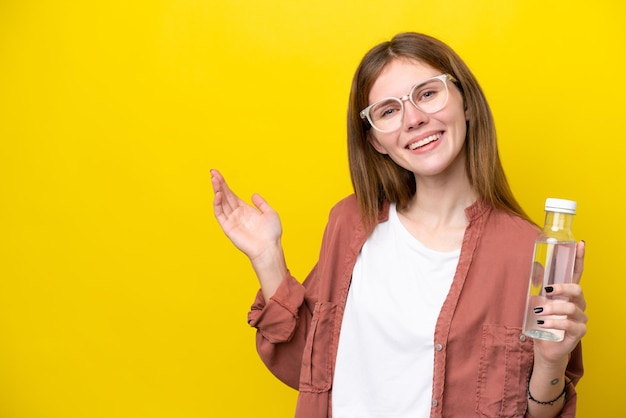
(256, 231)
(251, 229)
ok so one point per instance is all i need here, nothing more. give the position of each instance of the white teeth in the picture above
(424, 141)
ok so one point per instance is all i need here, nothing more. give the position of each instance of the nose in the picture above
(413, 117)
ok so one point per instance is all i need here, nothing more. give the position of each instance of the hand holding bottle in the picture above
(553, 264)
(571, 310)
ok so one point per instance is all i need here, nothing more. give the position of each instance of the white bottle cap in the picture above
(561, 206)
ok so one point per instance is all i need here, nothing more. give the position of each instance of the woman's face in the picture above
(425, 144)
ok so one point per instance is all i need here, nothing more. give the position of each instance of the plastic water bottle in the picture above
(553, 262)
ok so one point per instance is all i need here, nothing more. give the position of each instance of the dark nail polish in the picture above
(540, 321)
(548, 289)
(538, 310)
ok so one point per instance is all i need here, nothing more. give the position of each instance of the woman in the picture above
(416, 303)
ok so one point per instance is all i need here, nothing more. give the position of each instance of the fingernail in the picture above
(540, 321)
(538, 310)
(548, 289)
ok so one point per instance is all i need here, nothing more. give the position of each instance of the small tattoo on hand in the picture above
(554, 381)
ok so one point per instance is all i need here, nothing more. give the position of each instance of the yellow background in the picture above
(120, 296)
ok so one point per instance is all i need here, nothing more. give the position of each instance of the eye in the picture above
(426, 95)
(428, 91)
(386, 110)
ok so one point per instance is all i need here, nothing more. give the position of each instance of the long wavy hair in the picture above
(376, 178)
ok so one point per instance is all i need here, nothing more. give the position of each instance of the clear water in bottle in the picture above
(553, 263)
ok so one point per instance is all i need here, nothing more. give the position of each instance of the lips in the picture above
(425, 141)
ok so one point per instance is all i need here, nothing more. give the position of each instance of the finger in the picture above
(216, 183)
(572, 291)
(218, 207)
(579, 262)
(575, 325)
(556, 313)
(224, 197)
(216, 179)
(574, 330)
(224, 200)
(261, 204)
(568, 290)
(561, 308)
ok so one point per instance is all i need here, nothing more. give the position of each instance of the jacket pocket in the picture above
(316, 373)
(505, 364)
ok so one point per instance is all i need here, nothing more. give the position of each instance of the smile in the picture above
(424, 141)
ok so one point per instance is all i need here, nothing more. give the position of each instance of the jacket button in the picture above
(435, 403)
(438, 347)
(522, 338)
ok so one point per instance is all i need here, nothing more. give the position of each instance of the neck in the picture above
(436, 215)
(441, 201)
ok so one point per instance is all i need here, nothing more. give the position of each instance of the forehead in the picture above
(398, 77)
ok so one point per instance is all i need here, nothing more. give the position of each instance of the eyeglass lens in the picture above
(429, 97)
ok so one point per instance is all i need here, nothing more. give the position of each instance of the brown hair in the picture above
(376, 178)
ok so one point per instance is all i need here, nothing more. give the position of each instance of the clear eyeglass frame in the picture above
(366, 115)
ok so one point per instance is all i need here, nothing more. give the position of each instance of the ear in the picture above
(377, 146)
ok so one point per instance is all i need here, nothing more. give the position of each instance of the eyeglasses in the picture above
(429, 96)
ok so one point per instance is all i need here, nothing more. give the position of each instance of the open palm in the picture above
(252, 229)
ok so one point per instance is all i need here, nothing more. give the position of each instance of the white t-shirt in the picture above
(385, 358)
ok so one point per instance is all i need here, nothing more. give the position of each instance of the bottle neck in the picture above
(559, 225)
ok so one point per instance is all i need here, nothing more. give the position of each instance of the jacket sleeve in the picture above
(573, 374)
(282, 325)
(283, 322)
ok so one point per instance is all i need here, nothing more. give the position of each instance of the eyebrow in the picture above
(427, 79)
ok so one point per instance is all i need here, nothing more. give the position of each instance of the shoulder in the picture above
(508, 226)
(504, 218)
(345, 223)
(347, 211)
(345, 214)
(346, 206)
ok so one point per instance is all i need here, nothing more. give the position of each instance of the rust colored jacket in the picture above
(482, 360)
